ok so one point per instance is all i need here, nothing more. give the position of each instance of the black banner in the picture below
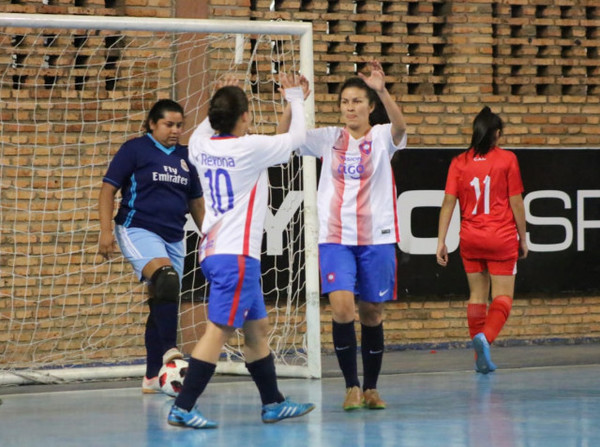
(562, 202)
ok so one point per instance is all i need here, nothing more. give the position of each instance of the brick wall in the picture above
(534, 64)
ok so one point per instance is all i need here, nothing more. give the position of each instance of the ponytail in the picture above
(485, 127)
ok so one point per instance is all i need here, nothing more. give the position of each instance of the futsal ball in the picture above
(171, 375)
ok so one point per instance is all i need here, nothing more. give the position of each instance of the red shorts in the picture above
(504, 267)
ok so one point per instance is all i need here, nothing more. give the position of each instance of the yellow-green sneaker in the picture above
(354, 399)
(373, 401)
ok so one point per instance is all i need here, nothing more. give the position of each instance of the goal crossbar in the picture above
(17, 20)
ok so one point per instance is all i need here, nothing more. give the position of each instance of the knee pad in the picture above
(165, 283)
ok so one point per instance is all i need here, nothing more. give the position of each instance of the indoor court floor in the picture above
(540, 396)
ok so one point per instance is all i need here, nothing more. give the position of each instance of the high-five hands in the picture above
(376, 79)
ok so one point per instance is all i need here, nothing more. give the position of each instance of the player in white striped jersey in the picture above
(233, 168)
(358, 224)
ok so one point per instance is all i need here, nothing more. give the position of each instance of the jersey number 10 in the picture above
(215, 180)
(486, 193)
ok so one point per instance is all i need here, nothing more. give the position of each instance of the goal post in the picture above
(72, 90)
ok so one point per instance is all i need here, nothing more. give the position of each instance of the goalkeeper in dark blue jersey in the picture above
(159, 186)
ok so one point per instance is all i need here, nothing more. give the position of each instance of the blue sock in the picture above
(197, 377)
(344, 342)
(264, 376)
(372, 354)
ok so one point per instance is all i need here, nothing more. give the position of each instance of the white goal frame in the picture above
(312, 311)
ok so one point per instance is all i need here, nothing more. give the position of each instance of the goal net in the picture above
(72, 90)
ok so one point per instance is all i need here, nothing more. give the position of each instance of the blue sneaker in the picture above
(492, 367)
(484, 363)
(276, 412)
(193, 418)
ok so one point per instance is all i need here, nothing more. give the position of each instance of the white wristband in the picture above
(294, 93)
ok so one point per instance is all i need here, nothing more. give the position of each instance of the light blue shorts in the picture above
(140, 246)
(368, 271)
(235, 291)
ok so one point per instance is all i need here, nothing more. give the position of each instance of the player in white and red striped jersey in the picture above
(486, 181)
(357, 194)
(358, 223)
(233, 168)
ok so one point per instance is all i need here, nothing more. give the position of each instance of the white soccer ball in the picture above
(171, 375)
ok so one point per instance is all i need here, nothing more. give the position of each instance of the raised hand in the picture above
(376, 79)
(288, 81)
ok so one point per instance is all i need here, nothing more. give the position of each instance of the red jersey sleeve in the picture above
(453, 178)
(515, 183)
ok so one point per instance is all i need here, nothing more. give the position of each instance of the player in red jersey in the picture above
(486, 181)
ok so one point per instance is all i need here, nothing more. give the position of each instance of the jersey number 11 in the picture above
(486, 193)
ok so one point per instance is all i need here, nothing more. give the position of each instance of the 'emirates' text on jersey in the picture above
(357, 195)
(483, 186)
(156, 184)
(233, 174)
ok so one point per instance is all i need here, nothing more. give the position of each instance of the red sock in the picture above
(497, 316)
(476, 314)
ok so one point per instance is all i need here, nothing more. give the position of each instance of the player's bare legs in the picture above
(372, 347)
(479, 287)
(370, 314)
(208, 349)
(343, 309)
(503, 285)
(256, 341)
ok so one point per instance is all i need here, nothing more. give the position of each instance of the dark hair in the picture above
(485, 125)
(226, 107)
(379, 114)
(158, 111)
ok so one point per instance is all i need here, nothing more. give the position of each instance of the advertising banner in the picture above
(562, 204)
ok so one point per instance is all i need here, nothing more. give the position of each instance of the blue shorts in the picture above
(365, 270)
(235, 292)
(140, 246)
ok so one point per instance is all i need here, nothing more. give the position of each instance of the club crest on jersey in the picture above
(330, 277)
(184, 166)
(365, 147)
